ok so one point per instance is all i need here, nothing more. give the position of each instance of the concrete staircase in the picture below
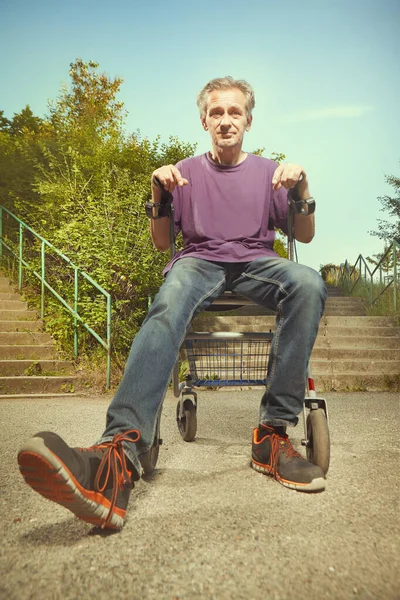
(29, 362)
(352, 351)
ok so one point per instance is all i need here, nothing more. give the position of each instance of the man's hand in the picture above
(169, 176)
(288, 175)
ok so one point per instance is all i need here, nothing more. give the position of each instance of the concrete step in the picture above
(345, 382)
(379, 367)
(354, 353)
(333, 290)
(33, 352)
(353, 341)
(335, 293)
(25, 338)
(8, 296)
(349, 312)
(265, 323)
(358, 331)
(360, 321)
(5, 286)
(29, 364)
(35, 367)
(37, 385)
(17, 315)
(21, 325)
(13, 305)
(344, 301)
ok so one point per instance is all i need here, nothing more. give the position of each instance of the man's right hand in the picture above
(169, 176)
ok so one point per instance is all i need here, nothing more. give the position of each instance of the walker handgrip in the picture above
(166, 196)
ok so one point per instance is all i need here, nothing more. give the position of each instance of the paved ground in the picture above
(207, 526)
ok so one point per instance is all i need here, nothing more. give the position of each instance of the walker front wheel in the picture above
(187, 423)
(318, 446)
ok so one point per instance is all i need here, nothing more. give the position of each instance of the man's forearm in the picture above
(160, 233)
(159, 228)
(304, 228)
(167, 178)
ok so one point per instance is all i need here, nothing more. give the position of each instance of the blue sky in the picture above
(326, 77)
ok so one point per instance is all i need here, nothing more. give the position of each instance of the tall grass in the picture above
(375, 303)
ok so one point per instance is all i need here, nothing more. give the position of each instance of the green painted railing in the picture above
(45, 285)
(378, 281)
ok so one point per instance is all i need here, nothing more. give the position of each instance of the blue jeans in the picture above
(296, 292)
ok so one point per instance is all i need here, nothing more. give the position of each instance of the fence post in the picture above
(76, 293)
(372, 290)
(20, 257)
(394, 278)
(42, 282)
(108, 382)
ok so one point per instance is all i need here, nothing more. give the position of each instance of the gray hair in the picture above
(226, 83)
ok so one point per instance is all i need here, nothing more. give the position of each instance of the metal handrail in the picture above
(44, 284)
(349, 276)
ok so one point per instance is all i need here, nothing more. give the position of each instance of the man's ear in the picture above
(249, 122)
(204, 124)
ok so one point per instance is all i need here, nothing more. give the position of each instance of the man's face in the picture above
(226, 118)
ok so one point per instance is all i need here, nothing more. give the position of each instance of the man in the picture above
(227, 203)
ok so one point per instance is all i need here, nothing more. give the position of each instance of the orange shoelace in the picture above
(280, 443)
(113, 464)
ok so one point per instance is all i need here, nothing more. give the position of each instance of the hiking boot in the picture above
(94, 483)
(273, 454)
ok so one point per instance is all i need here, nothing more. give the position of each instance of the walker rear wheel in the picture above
(318, 446)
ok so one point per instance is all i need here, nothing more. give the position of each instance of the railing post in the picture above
(20, 256)
(108, 382)
(394, 278)
(371, 289)
(43, 271)
(76, 294)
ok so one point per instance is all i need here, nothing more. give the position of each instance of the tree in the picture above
(18, 149)
(389, 230)
(4, 122)
(24, 122)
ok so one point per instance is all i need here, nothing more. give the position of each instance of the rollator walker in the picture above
(218, 359)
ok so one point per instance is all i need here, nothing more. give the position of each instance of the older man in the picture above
(227, 204)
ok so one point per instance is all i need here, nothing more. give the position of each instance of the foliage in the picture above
(329, 273)
(384, 258)
(389, 230)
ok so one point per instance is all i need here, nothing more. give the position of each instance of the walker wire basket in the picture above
(228, 359)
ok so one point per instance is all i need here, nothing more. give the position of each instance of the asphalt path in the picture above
(206, 525)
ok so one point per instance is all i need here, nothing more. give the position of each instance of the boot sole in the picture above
(316, 485)
(48, 476)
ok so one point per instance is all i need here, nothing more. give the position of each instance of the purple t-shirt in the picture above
(228, 213)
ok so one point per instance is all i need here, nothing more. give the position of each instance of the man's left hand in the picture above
(288, 175)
